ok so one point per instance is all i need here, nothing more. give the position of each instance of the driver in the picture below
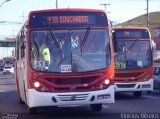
(44, 50)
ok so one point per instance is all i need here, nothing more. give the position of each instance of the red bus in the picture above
(64, 57)
(133, 59)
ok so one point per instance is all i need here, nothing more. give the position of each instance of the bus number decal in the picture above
(139, 63)
(66, 68)
(120, 65)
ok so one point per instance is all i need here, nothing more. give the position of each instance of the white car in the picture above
(8, 69)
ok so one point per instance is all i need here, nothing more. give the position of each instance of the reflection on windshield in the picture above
(133, 54)
(69, 56)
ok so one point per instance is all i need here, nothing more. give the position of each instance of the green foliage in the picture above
(142, 21)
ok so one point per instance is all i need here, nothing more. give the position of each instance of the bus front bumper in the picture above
(41, 99)
(135, 86)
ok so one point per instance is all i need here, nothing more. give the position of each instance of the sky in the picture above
(16, 11)
(118, 10)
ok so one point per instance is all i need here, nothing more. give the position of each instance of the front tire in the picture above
(33, 110)
(137, 93)
(96, 107)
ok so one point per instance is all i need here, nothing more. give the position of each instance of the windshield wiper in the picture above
(53, 37)
(132, 44)
(85, 38)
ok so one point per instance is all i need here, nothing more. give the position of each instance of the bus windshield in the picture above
(69, 50)
(133, 54)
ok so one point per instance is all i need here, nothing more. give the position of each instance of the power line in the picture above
(10, 22)
(4, 2)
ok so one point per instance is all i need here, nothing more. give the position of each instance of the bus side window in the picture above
(17, 48)
(23, 44)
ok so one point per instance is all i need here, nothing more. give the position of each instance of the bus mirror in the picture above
(26, 26)
(22, 34)
(23, 46)
(115, 47)
(114, 41)
(14, 59)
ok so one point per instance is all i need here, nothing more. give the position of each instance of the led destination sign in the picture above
(62, 19)
(125, 34)
(70, 19)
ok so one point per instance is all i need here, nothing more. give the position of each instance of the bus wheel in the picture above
(32, 110)
(137, 93)
(96, 107)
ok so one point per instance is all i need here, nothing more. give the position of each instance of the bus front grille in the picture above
(70, 81)
(74, 84)
(73, 97)
(70, 89)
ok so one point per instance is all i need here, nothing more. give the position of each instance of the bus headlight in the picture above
(39, 86)
(107, 81)
(36, 84)
(104, 84)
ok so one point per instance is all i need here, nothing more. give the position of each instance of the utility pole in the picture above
(13, 32)
(104, 4)
(56, 4)
(147, 13)
(23, 17)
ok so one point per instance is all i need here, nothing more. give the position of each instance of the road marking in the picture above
(105, 106)
(153, 97)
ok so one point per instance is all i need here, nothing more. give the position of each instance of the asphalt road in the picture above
(126, 106)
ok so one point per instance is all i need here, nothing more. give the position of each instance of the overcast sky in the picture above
(119, 10)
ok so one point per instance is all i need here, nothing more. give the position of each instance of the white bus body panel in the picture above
(40, 99)
(137, 86)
